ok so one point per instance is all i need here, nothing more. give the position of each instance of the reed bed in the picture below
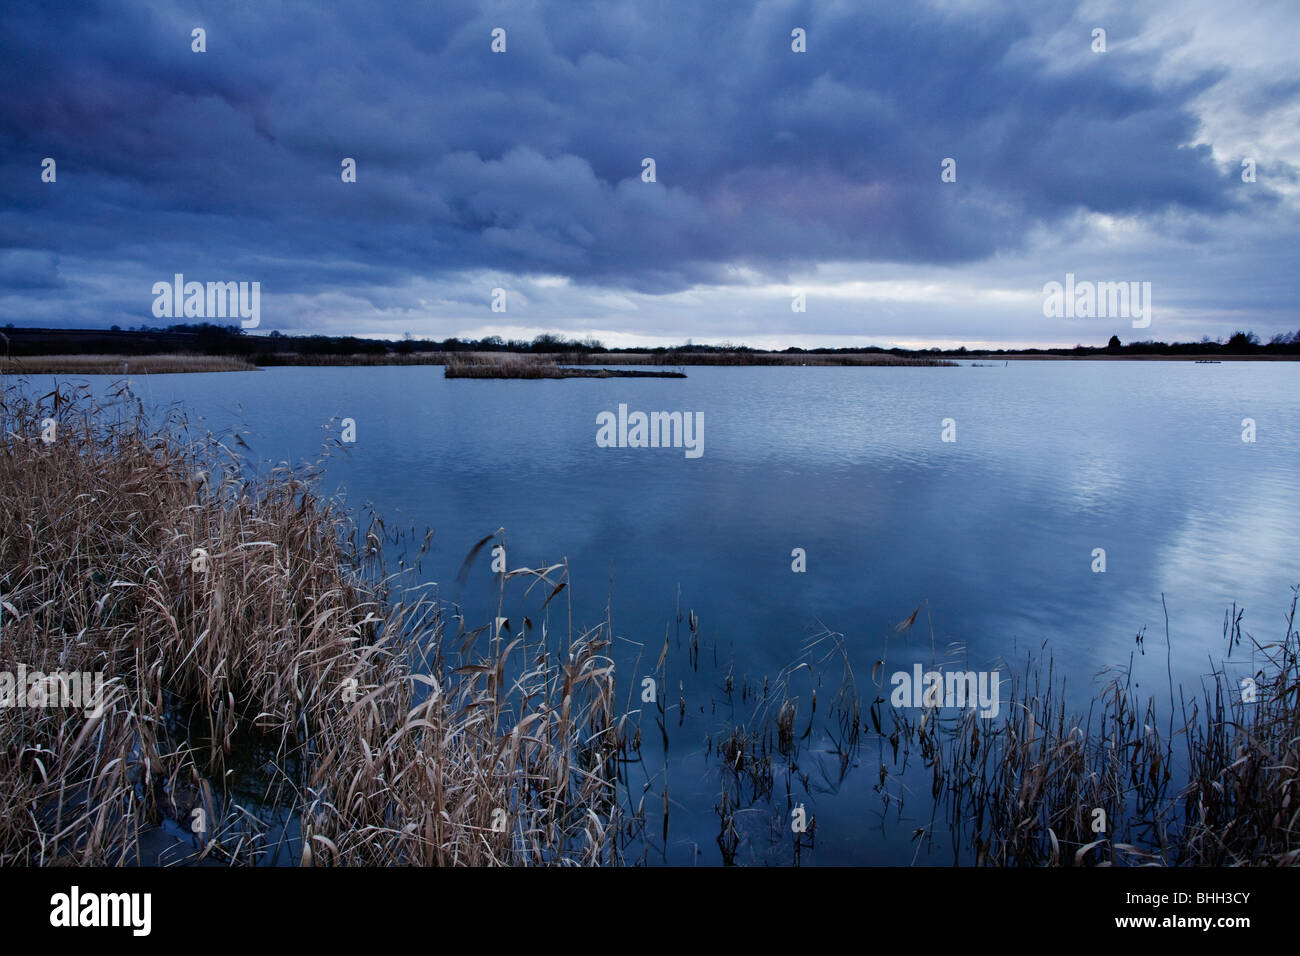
(268, 359)
(459, 364)
(553, 360)
(535, 367)
(237, 615)
(503, 365)
(1213, 781)
(675, 357)
(122, 364)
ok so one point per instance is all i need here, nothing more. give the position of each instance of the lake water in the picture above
(992, 534)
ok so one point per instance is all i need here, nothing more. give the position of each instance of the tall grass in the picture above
(269, 359)
(675, 357)
(502, 365)
(1129, 780)
(508, 365)
(289, 638)
(459, 364)
(122, 364)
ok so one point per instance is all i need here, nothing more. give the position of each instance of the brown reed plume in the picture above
(236, 614)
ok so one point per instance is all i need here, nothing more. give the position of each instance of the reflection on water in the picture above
(992, 535)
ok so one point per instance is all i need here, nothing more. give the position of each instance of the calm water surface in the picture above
(992, 535)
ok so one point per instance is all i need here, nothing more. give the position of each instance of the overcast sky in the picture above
(777, 171)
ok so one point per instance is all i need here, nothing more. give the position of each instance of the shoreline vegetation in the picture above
(206, 347)
(276, 692)
(527, 365)
(510, 365)
(162, 364)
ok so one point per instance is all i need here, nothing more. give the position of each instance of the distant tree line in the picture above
(208, 339)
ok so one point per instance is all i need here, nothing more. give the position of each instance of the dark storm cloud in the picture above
(226, 164)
